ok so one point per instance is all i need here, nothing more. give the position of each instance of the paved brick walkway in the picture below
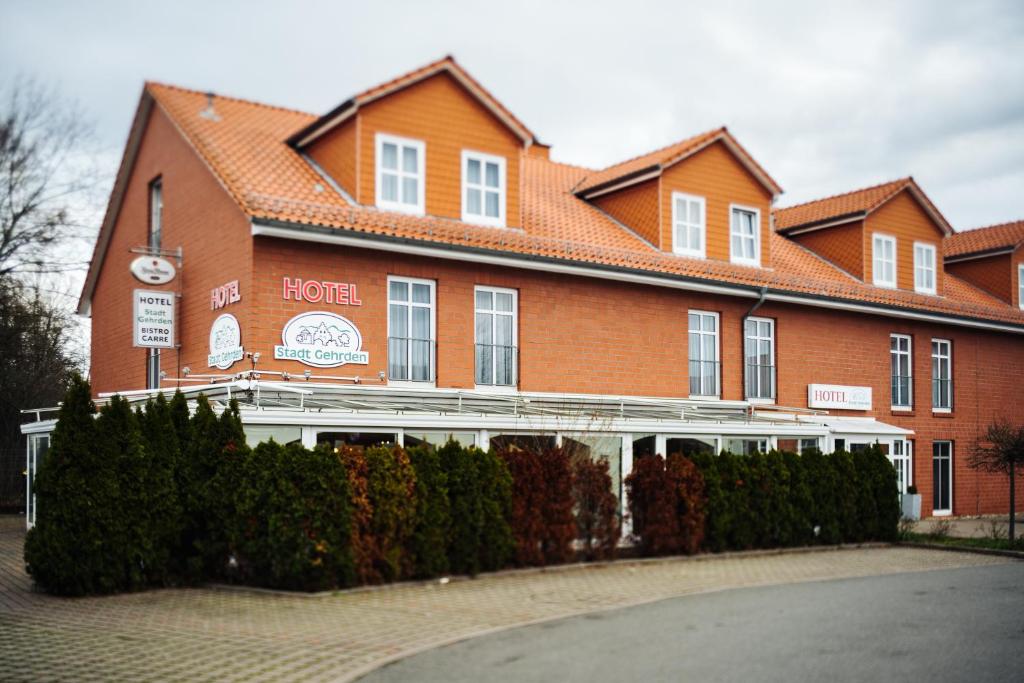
(219, 634)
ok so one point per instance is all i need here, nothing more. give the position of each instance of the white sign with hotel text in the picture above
(838, 396)
(154, 319)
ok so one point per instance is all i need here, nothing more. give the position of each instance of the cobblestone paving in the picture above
(234, 635)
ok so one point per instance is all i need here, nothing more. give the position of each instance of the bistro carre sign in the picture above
(322, 340)
(153, 313)
(838, 396)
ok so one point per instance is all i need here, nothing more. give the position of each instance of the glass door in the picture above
(942, 477)
(900, 459)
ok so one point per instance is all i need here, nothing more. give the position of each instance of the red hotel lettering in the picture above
(836, 396)
(315, 291)
(224, 295)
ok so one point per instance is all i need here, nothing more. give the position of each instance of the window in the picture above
(884, 260)
(924, 268)
(901, 462)
(942, 375)
(1020, 285)
(153, 369)
(902, 371)
(438, 439)
(745, 232)
(495, 336)
(759, 345)
(400, 164)
(410, 330)
(156, 214)
(483, 188)
(688, 225)
(748, 446)
(703, 354)
(942, 477)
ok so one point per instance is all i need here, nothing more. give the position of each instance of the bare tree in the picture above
(47, 175)
(1001, 449)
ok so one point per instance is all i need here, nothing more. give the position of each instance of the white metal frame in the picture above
(909, 353)
(494, 312)
(773, 389)
(433, 328)
(689, 250)
(882, 238)
(716, 359)
(948, 358)
(419, 208)
(943, 512)
(737, 258)
(482, 218)
(923, 270)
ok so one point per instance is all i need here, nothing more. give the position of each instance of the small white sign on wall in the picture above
(838, 396)
(225, 342)
(154, 319)
(321, 339)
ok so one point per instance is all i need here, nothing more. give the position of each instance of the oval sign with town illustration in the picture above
(322, 340)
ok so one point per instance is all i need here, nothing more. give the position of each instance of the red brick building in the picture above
(412, 265)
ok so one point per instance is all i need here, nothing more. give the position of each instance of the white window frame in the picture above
(773, 389)
(735, 258)
(156, 214)
(484, 159)
(948, 357)
(893, 355)
(432, 381)
(492, 386)
(421, 162)
(876, 278)
(1020, 286)
(718, 352)
(700, 252)
(921, 270)
(943, 512)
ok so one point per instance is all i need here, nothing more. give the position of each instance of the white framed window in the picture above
(688, 225)
(411, 329)
(759, 349)
(942, 375)
(496, 334)
(1020, 285)
(745, 235)
(942, 478)
(400, 176)
(901, 362)
(483, 188)
(703, 351)
(883, 260)
(156, 214)
(924, 268)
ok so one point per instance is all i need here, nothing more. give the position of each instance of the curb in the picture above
(529, 571)
(1014, 554)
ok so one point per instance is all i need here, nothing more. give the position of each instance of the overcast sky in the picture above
(827, 96)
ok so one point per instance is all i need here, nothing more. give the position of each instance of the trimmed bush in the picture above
(68, 550)
(666, 501)
(596, 507)
(527, 509)
(391, 486)
(823, 513)
(160, 439)
(466, 505)
(687, 485)
(428, 544)
(364, 549)
(496, 543)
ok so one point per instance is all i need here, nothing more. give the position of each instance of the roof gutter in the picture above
(418, 247)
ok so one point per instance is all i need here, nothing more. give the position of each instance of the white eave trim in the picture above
(978, 255)
(320, 235)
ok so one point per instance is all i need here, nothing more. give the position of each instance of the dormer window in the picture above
(924, 268)
(745, 236)
(483, 188)
(688, 229)
(400, 176)
(883, 251)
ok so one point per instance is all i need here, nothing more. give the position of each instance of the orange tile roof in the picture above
(669, 155)
(1002, 236)
(245, 147)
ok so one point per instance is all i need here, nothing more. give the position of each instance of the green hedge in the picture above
(160, 497)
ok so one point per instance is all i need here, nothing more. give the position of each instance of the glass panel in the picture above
(492, 204)
(503, 301)
(690, 446)
(421, 293)
(364, 439)
(439, 438)
(492, 175)
(694, 322)
(389, 156)
(681, 210)
(409, 156)
(282, 434)
(503, 330)
(644, 445)
(399, 291)
(695, 238)
(537, 442)
(410, 190)
(484, 299)
(389, 187)
(473, 171)
(473, 204)
(420, 322)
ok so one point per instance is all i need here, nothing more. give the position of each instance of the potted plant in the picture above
(910, 502)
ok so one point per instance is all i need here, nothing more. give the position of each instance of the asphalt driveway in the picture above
(962, 624)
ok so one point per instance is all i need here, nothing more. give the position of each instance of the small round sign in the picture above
(153, 270)
(225, 342)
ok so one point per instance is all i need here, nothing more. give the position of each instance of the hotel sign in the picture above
(322, 340)
(225, 342)
(153, 313)
(838, 396)
(320, 291)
